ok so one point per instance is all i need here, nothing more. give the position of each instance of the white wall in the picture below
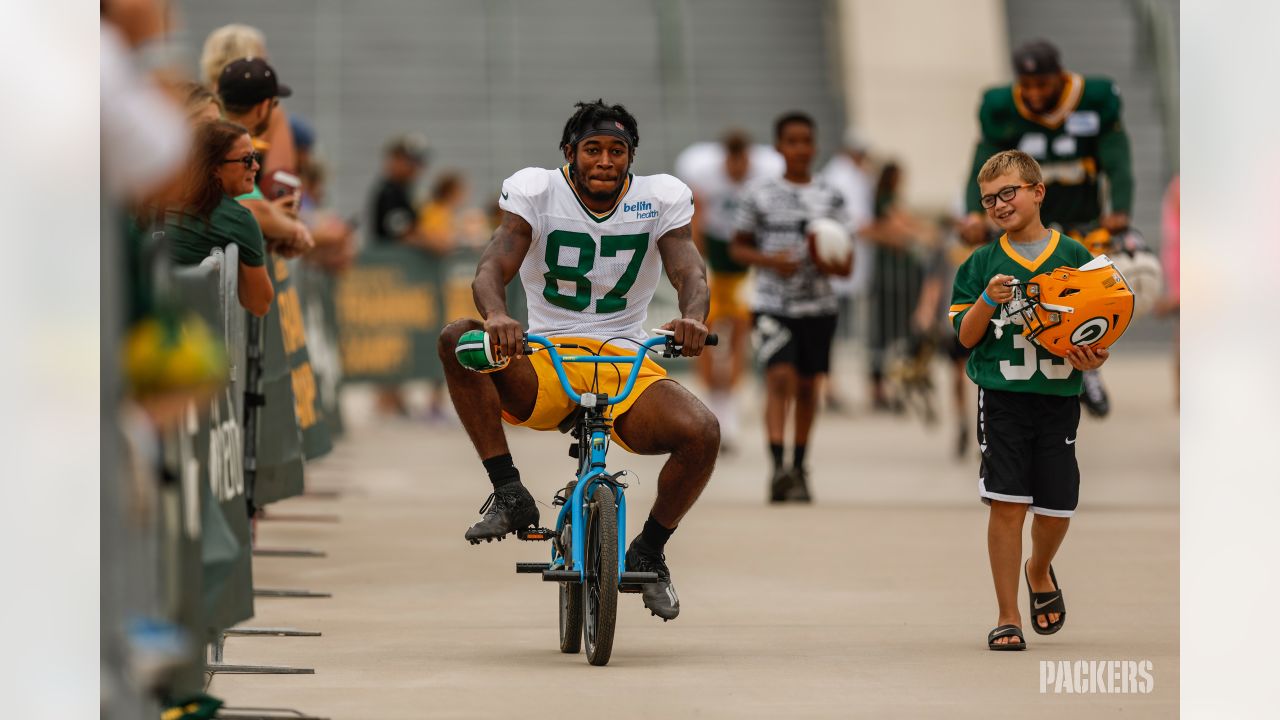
(914, 71)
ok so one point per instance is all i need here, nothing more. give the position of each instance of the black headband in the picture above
(604, 127)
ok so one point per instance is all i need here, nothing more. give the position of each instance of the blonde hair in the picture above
(1011, 161)
(196, 96)
(227, 43)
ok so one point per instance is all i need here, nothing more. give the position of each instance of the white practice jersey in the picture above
(701, 165)
(591, 274)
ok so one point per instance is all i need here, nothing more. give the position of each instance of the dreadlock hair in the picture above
(588, 113)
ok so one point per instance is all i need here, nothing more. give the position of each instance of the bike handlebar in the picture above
(636, 360)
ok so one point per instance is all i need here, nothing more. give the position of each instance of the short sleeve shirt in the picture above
(777, 212)
(191, 238)
(593, 274)
(394, 215)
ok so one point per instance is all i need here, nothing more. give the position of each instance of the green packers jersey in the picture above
(1012, 362)
(718, 258)
(1079, 140)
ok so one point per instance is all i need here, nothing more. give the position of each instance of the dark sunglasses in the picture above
(247, 161)
(1005, 193)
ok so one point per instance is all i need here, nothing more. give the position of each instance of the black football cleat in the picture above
(798, 492)
(508, 509)
(779, 484)
(1093, 395)
(660, 597)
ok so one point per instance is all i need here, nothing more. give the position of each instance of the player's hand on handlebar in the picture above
(689, 334)
(506, 334)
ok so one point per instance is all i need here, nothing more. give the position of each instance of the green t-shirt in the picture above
(192, 238)
(1012, 362)
(1075, 144)
(718, 258)
(255, 194)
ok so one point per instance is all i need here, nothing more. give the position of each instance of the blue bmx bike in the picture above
(587, 557)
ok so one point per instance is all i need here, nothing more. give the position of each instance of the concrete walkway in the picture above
(874, 602)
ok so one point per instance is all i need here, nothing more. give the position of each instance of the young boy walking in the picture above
(1028, 398)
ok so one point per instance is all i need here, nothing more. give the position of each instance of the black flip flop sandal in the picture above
(1006, 631)
(1045, 603)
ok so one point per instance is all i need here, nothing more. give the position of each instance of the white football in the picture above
(830, 242)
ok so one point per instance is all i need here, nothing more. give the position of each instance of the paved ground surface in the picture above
(874, 602)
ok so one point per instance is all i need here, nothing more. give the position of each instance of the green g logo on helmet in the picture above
(475, 352)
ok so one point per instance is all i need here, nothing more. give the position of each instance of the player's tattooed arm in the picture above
(498, 265)
(688, 273)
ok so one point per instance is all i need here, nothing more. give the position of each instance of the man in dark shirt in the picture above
(395, 219)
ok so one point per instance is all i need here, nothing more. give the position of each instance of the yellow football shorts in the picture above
(727, 297)
(553, 405)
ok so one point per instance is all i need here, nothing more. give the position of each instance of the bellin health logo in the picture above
(642, 208)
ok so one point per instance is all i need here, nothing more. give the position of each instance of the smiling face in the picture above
(1019, 212)
(1041, 91)
(235, 177)
(601, 163)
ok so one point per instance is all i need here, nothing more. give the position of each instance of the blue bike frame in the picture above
(594, 468)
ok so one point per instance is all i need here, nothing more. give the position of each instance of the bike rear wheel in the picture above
(600, 589)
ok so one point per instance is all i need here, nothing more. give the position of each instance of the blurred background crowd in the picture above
(355, 150)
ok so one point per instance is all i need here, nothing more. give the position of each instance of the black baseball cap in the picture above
(249, 81)
(1038, 57)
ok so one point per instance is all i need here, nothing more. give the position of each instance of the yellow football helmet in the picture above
(1066, 307)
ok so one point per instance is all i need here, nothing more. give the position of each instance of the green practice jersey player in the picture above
(1071, 125)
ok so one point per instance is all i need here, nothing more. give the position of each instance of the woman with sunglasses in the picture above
(223, 164)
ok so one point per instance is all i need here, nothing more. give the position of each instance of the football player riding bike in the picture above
(589, 240)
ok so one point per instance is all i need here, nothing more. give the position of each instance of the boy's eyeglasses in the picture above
(256, 157)
(1005, 193)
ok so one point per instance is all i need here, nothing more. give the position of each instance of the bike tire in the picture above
(570, 611)
(600, 590)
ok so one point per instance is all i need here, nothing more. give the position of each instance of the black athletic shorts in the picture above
(1028, 444)
(804, 342)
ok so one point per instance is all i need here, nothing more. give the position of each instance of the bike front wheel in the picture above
(570, 607)
(600, 589)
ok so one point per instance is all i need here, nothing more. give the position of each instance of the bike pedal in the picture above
(535, 534)
(634, 582)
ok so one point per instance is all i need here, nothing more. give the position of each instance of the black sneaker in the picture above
(508, 509)
(799, 489)
(779, 483)
(659, 597)
(1093, 395)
